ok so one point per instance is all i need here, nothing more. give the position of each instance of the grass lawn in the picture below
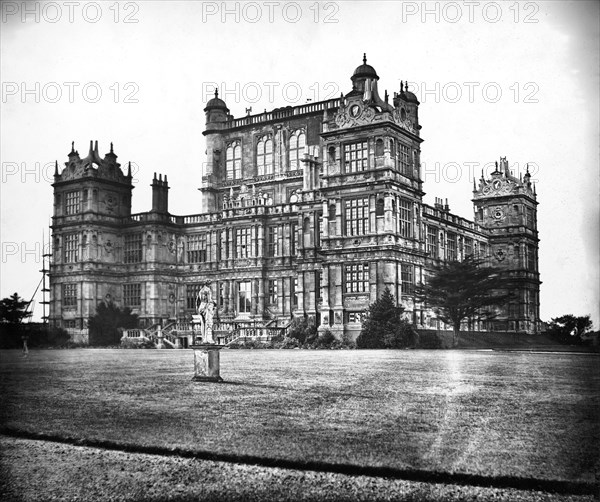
(490, 413)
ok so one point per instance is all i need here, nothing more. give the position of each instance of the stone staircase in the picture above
(181, 334)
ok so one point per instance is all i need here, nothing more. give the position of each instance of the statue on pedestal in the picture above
(205, 307)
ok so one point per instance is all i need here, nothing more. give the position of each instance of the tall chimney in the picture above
(160, 195)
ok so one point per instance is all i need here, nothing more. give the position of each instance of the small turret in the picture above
(216, 112)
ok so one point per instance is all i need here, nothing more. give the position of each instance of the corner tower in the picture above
(92, 197)
(217, 116)
(506, 206)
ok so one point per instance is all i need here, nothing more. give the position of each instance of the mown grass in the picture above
(490, 413)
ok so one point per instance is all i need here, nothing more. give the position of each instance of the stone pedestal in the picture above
(207, 362)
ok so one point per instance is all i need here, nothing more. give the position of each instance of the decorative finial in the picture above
(406, 85)
(527, 167)
(386, 96)
(91, 146)
(129, 169)
(365, 58)
(216, 92)
(56, 168)
(72, 146)
(401, 83)
(111, 147)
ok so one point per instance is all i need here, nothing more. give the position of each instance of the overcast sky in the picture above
(494, 79)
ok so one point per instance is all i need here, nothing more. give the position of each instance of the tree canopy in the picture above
(468, 289)
(13, 310)
(104, 325)
(384, 326)
(569, 328)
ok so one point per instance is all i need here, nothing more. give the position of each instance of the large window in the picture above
(244, 243)
(191, 293)
(132, 295)
(294, 291)
(357, 216)
(196, 248)
(408, 278)
(274, 241)
(531, 258)
(264, 156)
(297, 144)
(357, 278)
(72, 203)
(272, 292)
(245, 297)
(233, 161)
(356, 157)
(69, 295)
(293, 238)
(451, 249)
(71, 249)
(405, 217)
(468, 246)
(224, 247)
(404, 159)
(432, 241)
(133, 248)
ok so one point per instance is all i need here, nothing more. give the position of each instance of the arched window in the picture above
(379, 148)
(332, 154)
(264, 156)
(306, 224)
(297, 144)
(332, 211)
(233, 161)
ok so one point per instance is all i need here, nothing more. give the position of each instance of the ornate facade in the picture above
(309, 210)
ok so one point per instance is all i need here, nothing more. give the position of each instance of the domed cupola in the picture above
(216, 103)
(361, 74)
(216, 111)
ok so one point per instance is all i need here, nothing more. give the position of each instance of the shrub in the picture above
(325, 340)
(290, 343)
(132, 343)
(302, 331)
(385, 327)
(104, 325)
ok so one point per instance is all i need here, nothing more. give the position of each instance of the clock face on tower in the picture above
(498, 214)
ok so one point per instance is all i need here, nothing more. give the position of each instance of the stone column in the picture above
(337, 323)
(255, 285)
(324, 308)
(388, 220)
(261, 296)
(232, 305)
(300, 292)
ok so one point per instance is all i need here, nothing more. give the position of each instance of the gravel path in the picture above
(43, 471)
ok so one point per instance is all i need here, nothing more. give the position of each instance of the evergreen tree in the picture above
(13, 311)
(468, 289)
(104, 325)
(384, 326)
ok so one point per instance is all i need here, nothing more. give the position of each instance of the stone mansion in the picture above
(309, 210)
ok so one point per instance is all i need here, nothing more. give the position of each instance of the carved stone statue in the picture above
(206, 308)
